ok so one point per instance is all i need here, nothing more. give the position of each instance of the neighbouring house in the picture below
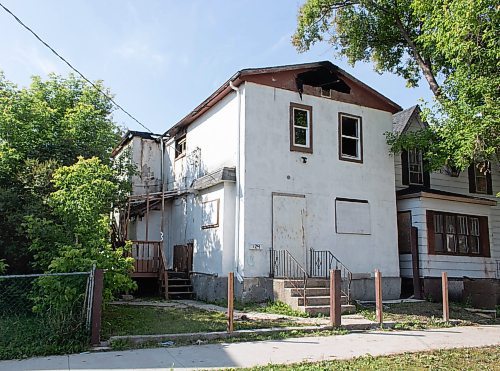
(447, 221)
(284, 173)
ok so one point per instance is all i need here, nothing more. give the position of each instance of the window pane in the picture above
(474, 245)
(349, 126)
(300, 136)
(300, 118)
(350, 147)
(450, 224)
(438, 223)
(451, 243)
(474, 226)
(481, 184)
(438, 242)
(462, 244)
(416, 178)
(462, 224)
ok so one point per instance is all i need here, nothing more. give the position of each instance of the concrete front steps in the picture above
(317, 295)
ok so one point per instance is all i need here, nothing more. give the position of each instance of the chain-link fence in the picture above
(44, 313)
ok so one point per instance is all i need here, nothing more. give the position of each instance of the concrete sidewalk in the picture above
(265, 352)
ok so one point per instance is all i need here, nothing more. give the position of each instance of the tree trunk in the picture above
(424, 65)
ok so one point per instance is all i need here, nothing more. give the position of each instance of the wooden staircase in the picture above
(150, 262)
(178, 286)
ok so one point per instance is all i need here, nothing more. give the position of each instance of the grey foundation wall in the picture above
(213, 289)
(364, 288)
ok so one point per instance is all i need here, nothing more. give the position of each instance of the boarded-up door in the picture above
(183, 258)
(289, 216)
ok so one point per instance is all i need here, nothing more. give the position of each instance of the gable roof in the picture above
(296, 77)
(401, 120)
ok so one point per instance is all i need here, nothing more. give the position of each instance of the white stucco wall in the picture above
(270, 167)
(210, 145)
(210, 255)
(457, 266)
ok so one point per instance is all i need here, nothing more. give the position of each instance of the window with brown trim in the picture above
(480, 178)
(210, 214)
(350, 138)
(301, 138)
(457, 234)
(180, 146)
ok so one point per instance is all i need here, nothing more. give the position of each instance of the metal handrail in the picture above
(320, 264)
(284, 265)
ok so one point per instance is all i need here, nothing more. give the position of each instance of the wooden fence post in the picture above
(230, 302)
(378, 296)
(446, 307)
(97, 307)
(335, 298)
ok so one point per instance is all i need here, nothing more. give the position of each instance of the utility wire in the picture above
(74, 69)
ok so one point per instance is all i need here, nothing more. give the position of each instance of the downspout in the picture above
(238, 193)
(162, 150)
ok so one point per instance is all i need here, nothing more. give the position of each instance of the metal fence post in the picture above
(97, 307)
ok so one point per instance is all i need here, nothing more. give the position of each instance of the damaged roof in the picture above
(322, 74)
(129, 135)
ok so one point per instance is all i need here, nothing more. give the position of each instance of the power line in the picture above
(74, 69)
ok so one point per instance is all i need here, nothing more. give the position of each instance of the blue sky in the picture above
(162, 58)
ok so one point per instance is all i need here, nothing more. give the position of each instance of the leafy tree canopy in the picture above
(453, 44)
(43, 127)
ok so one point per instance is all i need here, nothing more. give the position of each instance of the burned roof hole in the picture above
(323, 78)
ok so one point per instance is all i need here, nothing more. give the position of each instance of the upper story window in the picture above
(180, 146)
(480, 178)
(350, 138)
(415, 167)
(300, 128)
(457, 234)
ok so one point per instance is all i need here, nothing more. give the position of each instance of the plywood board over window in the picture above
(352, 216)
(210, 214)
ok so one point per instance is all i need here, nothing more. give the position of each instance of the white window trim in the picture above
(418, 153)
(358, 138)
(306, 128)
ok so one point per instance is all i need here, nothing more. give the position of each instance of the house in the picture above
(447, 221)
(281, 173)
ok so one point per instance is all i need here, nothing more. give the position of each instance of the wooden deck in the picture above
(147, 257)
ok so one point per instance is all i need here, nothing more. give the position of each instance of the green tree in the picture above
(78, 234)
(42, 127)
(453, 44)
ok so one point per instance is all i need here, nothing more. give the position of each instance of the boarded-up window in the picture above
(404, 232)
(352, 216)
(210, 214)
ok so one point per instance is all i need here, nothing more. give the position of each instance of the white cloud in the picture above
(34, 62)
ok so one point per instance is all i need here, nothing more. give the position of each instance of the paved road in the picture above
(264, 352)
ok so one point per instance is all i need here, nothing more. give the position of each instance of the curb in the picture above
(140, 339)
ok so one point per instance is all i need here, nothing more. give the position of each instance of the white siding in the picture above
(457, 266)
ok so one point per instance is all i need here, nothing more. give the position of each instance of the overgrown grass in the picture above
(139, 320)
(272, 307)
(425, 314)
(125, 344)
(487, 358)
(29, 335)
